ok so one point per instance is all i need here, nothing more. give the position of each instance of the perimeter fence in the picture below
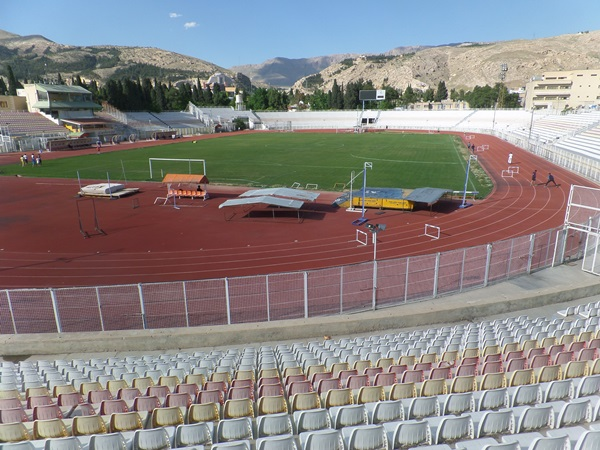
(303, 294)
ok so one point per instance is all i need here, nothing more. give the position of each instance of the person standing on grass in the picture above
(534, 177)
(551, 180)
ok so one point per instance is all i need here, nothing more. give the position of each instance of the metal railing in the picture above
(304, 294)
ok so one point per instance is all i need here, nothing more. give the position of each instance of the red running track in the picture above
(41, 244)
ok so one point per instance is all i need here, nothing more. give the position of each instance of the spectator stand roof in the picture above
(272, 199)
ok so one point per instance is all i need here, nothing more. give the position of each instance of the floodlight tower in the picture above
(503, 70)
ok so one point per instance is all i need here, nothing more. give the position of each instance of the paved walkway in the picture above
(540, 294)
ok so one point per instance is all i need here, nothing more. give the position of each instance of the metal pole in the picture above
(464, 200)
(374, 305)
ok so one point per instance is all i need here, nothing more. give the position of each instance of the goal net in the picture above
(159, 167)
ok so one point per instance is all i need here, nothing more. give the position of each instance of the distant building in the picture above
(575, 89)
(70, 106)
(12, 103)
(221, 79)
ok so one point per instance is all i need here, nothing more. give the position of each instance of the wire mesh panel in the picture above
(591, 260)
(78, 309)
(358, 287)
(473, 274)
(421, 277)
(121, 308)
(164, 305)
(248, 299)
(391, 281)
(499, 259)
(206, 302)
(574, 241)
(519, 256)
(324, 291)
(583, 209)
(450, 271)
(286, 295)
(543, 249)
(6, 323)
(32, 311)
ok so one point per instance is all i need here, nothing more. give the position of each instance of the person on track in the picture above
(551, 180)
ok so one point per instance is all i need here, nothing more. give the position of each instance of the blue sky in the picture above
(249, 32)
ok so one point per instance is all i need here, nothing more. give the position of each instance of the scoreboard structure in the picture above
(369, 95)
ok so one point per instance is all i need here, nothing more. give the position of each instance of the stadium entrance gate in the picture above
(583, 216)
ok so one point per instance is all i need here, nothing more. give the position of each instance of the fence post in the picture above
(99, 309)
(268, 298)
(185, 304)
(510, 254)
(142, 306)
(227, 304)
(341, 289)
(436, 274)
(488, 260)
(306, 295)
(55, 308)
(531, 250)
(462, 270)
(406, 281)
(12, 315)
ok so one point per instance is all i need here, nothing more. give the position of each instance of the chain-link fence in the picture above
(334, 290)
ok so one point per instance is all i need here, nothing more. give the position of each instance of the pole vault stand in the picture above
(82, 229)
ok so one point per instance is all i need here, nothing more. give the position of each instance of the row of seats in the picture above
(562, 423)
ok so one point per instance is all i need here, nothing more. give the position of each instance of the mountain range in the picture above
(460, 66)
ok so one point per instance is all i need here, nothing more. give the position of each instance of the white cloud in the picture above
(174, 15)
(189, 25)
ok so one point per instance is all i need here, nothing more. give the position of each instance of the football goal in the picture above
(159, 167)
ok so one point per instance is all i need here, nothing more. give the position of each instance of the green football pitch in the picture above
(326, 160)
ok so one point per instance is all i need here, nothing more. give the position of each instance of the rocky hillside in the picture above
(35, 57)
(467, 65)
(461, 66)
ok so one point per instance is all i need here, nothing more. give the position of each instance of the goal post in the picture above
(175, 165)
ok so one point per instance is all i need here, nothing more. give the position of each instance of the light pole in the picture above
(503, 70)
(464, 200)
(367, 165)
(375, 228)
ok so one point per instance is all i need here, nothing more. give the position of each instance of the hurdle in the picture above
(432, 231)
(312, 186)
(361, 237)
(507, 173)
(514, 169)
(296, 185)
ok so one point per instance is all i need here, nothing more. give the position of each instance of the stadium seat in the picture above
(151, 439)
(193, 434)
(274, 425)
(234, 429)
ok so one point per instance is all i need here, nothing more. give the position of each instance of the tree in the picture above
(337, 96)
(409, 96)
(258, 100)
(428, 95)
(441, 92)
(13, 84)
(318, 101)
